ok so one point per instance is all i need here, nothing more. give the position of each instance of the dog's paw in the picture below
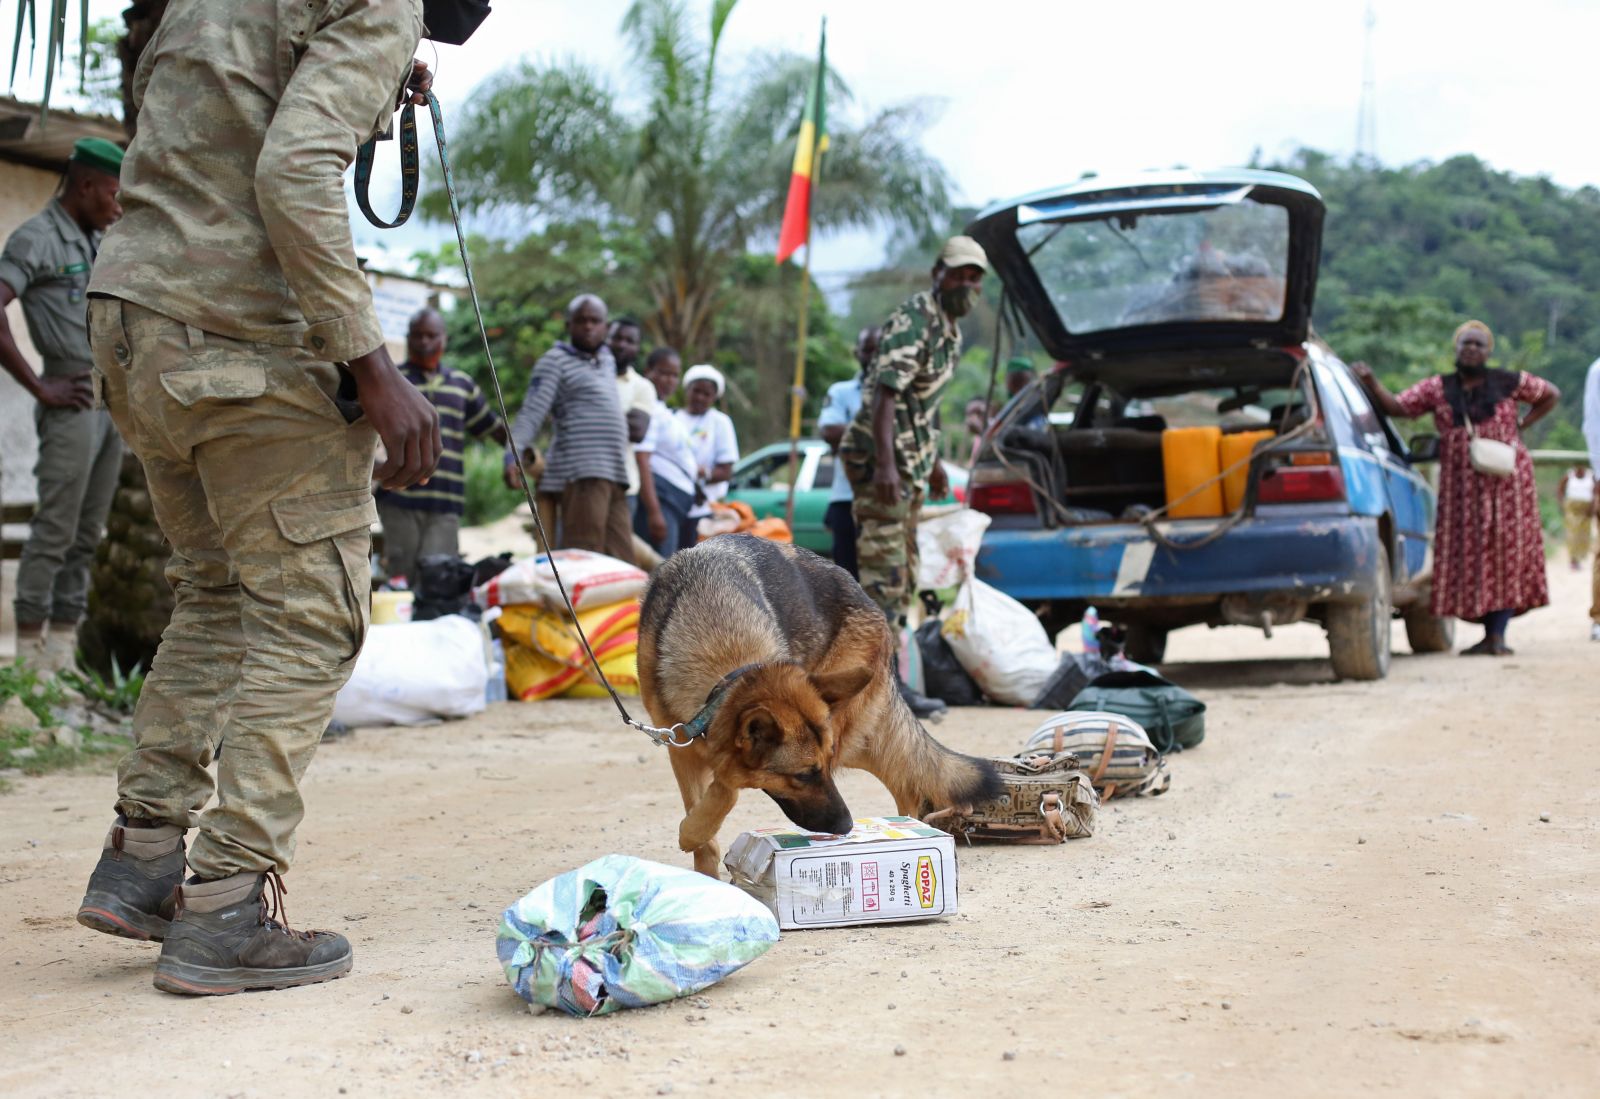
(688, 841)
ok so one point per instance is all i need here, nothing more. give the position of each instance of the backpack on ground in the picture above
(1173, 718)
(1114, 750)
(1047, 799)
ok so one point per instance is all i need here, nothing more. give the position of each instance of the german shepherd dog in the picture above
(802, 663)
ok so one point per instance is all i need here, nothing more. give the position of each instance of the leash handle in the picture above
(410, 168)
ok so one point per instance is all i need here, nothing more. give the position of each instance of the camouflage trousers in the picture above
(886, 550)
(263, 489)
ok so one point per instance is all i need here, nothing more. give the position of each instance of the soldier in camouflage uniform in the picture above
(46, 264)
(237, 348)
(890, 451)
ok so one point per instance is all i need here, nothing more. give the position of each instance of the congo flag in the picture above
(807, 160)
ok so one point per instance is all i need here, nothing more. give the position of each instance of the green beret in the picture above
(1019, 364)
(97, 152)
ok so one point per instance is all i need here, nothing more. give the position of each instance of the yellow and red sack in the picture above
(551, 632)
(545, 658)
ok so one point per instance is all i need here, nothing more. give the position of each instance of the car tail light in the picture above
(1300, 483)
(1003, 498)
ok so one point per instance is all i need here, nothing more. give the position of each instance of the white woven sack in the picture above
(410, 673)
(1000, 643)
(947, 545)
(1114, 750)
(592, 580)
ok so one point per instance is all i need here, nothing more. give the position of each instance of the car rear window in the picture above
(1224, 264)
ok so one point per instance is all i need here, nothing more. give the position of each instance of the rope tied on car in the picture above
(1150, 519)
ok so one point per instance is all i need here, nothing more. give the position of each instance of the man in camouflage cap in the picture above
(890, 451)
(237, 347)
(46, 263)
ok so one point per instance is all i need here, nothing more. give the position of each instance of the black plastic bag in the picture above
(444, 586)
(943, 677)
(1075, 672)
(488, 568)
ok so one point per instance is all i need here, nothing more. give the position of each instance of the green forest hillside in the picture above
(1410, 252)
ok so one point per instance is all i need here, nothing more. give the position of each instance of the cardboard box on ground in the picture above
(887, 870)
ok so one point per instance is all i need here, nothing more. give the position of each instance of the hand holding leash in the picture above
(419, 85)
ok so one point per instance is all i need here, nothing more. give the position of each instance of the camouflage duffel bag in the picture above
(1115, 750)
(1047, 799)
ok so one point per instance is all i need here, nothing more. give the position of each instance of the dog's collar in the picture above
(696, 726)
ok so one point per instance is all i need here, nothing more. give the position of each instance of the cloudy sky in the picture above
(1036, 92)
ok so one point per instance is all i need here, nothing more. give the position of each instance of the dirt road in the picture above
(1349, 889)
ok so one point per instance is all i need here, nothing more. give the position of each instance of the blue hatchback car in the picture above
(1183, 300)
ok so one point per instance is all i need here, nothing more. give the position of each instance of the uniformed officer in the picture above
(890, 451)
(46, 264)
(240, 353)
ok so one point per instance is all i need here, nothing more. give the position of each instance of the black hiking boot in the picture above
(227, 936)
(130, 891)
(926, 709)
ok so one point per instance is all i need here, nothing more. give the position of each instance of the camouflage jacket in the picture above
(234, 215)
(916, 356)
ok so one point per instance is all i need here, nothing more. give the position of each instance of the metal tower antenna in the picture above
(1367, 116)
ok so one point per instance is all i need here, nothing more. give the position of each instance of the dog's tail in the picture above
(924, 775)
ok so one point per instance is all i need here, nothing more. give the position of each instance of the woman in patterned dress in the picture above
(1488, 562)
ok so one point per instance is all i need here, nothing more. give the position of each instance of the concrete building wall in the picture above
(23, 193)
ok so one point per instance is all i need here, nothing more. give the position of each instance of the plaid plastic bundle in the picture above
(625, 932)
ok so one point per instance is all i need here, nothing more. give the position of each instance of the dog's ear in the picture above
(759, 730)
(839, 686)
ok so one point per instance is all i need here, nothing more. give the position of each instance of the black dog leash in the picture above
(680, 735)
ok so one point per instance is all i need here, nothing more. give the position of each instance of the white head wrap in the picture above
(705, 372)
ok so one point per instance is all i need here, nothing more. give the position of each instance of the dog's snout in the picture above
(831, 817)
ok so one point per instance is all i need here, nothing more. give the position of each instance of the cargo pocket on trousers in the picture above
(216, 376)
(344, 518)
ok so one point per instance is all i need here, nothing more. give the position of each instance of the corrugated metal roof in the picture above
(23, 140)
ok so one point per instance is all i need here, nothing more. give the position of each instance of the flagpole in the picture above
(797, 394)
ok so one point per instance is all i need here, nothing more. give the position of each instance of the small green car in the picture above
(761, 480)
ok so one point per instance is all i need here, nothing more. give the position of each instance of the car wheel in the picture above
(1358, 633)
(1145, 644)
(1428, 632)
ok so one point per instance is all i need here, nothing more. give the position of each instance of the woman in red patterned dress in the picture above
(1488, 548)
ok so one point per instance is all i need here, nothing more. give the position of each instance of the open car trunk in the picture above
(1119, 456)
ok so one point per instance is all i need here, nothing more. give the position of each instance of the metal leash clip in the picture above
(669, 737)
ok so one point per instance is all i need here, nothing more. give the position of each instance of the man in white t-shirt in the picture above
(838, 409)
(666, 462)
(716, 446)
(635, 391)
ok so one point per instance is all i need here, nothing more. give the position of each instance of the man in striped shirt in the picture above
(575, 384)
(426, 518)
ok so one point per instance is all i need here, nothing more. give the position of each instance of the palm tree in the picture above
(700, 173)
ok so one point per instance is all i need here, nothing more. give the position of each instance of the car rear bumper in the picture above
(1313, 558)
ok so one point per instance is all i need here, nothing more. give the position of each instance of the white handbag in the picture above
(1490, 457)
